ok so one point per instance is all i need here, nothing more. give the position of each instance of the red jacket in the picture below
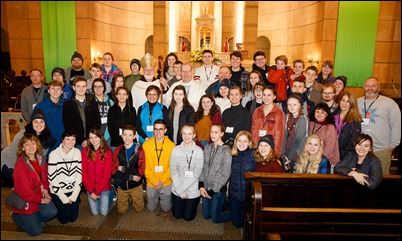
(96, 174)
(274, 125)
(27, 184)
(280, 78)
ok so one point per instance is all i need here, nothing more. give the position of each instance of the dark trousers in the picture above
(237, 212)
(185, 208)
(66, 212)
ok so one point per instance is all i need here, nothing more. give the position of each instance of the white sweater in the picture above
(65, 173)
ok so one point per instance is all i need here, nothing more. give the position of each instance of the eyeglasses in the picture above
(159, 129)
(327, 93)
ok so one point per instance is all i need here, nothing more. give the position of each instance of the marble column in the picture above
(173, 28)
(195, 12)
(250, 28)
(218, 26)
(238, 22)
(161, 28)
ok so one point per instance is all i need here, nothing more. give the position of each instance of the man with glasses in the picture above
(260, 61)
(157, 150)
(328, 95)
(194, 90)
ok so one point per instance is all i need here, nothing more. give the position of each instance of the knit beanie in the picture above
(77, 55)
(225, 82)
(343, 79)
(267, 139)
(37, 114)
(137, 62)
(60, 71)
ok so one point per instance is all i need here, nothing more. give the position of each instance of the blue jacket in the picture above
(243, 162)
(147, 118)
(54, 118)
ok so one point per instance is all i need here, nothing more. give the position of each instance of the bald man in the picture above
(381, 120)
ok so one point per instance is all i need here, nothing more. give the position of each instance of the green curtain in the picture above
(355, 40)
(59, 34)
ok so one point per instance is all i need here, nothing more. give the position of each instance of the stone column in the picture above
(195, 12)
(238, 22)
(250, 28)
(218, 26)
(173, 28)
(161, 28)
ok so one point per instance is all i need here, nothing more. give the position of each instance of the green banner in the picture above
(59, 34)
(355, 40)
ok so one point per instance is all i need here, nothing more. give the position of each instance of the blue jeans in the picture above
(185, 208)
(101, 205)
(237, 212)
(32, 223)
(212, 208)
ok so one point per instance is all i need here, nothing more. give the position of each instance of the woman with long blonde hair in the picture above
(311, 159)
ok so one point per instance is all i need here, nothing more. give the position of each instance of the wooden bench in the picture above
(320, 206)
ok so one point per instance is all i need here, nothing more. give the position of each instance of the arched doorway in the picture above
(264, 45)
(149, 45)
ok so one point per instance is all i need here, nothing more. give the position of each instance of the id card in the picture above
(262, 132)
(229, 129)
(188, 174)
(150, 128)
(158, 168)
(366, 121)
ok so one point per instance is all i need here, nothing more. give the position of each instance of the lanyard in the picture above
(210, 72)
(365, 111)
(314, 128)
(212, 154)
(191, 157)
(36, 95)
(160, 150)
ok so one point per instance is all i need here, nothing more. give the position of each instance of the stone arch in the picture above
(231, 44)
(263, 44)
(149, 45)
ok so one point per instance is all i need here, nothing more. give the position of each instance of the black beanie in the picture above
(60, 71)
(77, 55)
(267, 139)
(37, 114)
(137, 62)
(343, 79)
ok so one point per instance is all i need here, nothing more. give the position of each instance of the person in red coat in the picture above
(265, 156)
(32, 185)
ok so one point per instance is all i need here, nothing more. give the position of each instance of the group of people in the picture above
(181, 138)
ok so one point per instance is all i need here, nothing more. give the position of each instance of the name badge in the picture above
(229, 129)
(33, 106)
(158, 168)
(262, 133)
(104, 120)
(366, 121)
(150, 128)
(188, 174)
(120, 131)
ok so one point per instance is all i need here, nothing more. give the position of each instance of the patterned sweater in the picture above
(65, 173)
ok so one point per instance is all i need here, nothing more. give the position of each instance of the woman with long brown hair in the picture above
(96, 172)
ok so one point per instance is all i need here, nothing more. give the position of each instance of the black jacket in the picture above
(237, 117)
(72, 118)
(116, 118)
(186, 117)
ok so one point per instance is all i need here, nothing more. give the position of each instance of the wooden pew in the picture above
(320, 206)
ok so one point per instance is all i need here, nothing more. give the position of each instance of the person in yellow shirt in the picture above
(157, 150)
